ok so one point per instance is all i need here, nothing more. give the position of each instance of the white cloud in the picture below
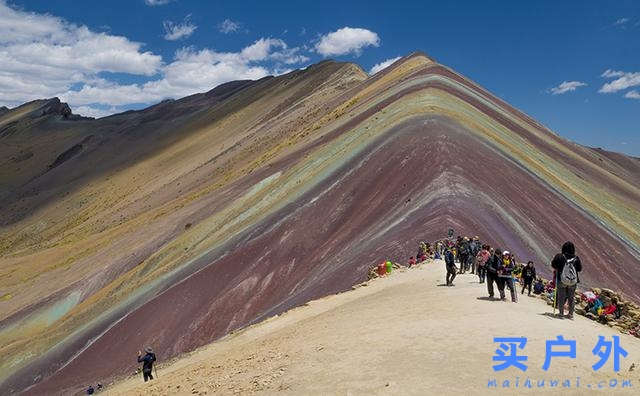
(623, 81)
(190, 72)
(94, 112)
(566, 86)
(228, 26)
(611, 73)
(157, 2)
(621, 21)
(633, 94)
(383, 65)
(43, 56)
(346, 40)
(177, 31)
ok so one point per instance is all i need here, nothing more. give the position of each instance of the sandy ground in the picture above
(402, 334)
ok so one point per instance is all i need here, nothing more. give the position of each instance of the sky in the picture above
(572, 65)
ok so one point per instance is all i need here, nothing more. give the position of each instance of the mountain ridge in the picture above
(169, 217)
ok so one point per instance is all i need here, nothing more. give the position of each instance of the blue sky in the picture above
(547, 58)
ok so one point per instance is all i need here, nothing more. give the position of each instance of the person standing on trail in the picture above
(505, 273)
(463, 253)
(481, 259)
(528, 275)
(567, 266)
(474, 248)
(147, 363)
(449, 262)
(491, 267)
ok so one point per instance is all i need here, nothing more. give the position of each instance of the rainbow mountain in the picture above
(175, 225)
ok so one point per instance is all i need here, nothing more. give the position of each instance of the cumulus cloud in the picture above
(157, 2)
(566, 86)
(42, 56)
(633, 94)
(346, 40)
(382, 65)
(177, 31)
(623, 81)
(190, 72)
(228, 26)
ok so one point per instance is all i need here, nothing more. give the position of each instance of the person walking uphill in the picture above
(491, 267)
(451, 266)
(147, 363)
(567, 266)
(505, 272)
(528, 275)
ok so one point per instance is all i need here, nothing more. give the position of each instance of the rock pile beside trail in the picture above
(627, 319)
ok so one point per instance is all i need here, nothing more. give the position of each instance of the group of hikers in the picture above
(493, 265)
(500, 268)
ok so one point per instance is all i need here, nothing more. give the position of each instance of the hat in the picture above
(506, 253)
(148, 349)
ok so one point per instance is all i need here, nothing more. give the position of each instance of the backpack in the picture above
(569, 276)
(538, 288)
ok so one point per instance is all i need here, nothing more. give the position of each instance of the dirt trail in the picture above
(403, 334)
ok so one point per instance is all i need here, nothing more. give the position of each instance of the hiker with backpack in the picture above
(451, 266)
(566, 265)
(528, 275)
(463, 253)
(491, 267)
(505, 272)
(147, 363)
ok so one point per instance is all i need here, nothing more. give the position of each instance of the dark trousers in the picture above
(527, 285)
(463, 263)
(500, 282)
(146, 374)
(511, 284)
(491, 278)
(481, 273)
(564, 294)
(451, 275)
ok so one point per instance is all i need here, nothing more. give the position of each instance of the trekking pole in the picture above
(155, 370)
(555, 292)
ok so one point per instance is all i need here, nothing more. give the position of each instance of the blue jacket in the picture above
(147, 361)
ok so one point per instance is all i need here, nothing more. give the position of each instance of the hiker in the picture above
(481, 259)
(491, 267)
(505, 272)
(567, 265)
(412, 262)
(474, 249)
(90, 390)
(451, 266)
(528, 275)
(147, 363)
(538, 288)
(463, 253)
